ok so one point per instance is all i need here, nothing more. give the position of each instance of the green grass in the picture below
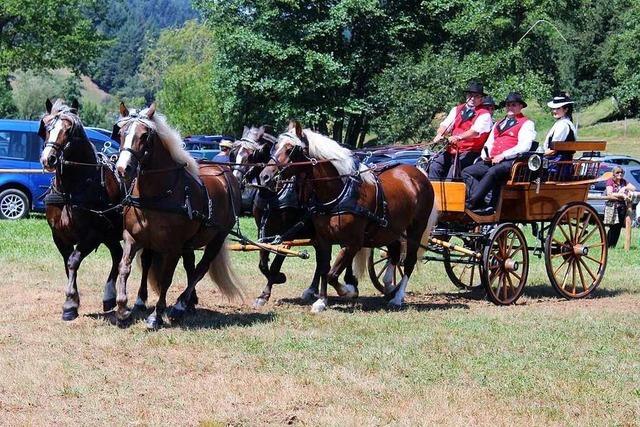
(445, 359)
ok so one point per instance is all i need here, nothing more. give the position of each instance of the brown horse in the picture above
(276, 213)
(353, 207)
(172, 205)
(81, 204)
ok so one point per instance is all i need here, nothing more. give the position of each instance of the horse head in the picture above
(292, 146)
(134, 130)
(57, 128)
(254, 147)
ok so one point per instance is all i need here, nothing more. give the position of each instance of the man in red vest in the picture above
(509, 137)
(469, 125)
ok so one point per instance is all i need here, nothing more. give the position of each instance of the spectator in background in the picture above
(615, 210)
(225, 149)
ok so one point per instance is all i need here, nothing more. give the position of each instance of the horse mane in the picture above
(322, 147)
(60, 108)
(171, 140)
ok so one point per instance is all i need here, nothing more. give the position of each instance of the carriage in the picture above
(492, 251)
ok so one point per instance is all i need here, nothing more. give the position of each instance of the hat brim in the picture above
(473, 91)
(504, 104)
(225, 145)
(552, 104)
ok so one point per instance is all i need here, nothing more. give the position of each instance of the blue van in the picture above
(23, 182)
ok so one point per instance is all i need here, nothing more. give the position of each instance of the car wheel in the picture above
(14, 204)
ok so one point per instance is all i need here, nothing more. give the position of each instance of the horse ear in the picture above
(115, 133)
(260, 133)
(48, 106)
(75, 106)
(298, 129)
(123, 110)
(42, 131)
(151, 111)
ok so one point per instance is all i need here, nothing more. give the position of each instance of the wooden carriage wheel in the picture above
(575, 250)
(465, 274)
(377, 266)
(506, 264)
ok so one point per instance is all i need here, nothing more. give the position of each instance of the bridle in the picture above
(140, 156)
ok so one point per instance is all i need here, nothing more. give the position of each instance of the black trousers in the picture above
(614, 229)
(481, 178)
(441, 167)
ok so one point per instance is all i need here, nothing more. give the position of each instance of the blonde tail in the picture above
(223, 275)
(431, 224)
(360, 262)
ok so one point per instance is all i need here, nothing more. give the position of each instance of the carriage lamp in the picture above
(534, 163)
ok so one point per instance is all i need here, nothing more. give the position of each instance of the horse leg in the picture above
(263, 265)
(124, 269)
(109, 296)
(70, 306)
(189, 264)
(349, 278)
(393, 257)
(146, 258)
(274, 277)
(343, 260)
(65, 250)
(210, 251)
(167, 267)
(312, 291)
(409, 264)
(323, 264)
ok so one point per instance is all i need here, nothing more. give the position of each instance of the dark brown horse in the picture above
(354, 207)
(172, 205)
(278, 214)
(81, 204)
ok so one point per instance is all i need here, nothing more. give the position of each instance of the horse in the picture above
(172, 205)
(276, 213)
(355, 207)
(81, 203)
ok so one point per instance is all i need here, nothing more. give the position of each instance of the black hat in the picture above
(488, 100)
(476, 88)
(560, 100)
(513, 97)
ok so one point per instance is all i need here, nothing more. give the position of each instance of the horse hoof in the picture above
(108, 305)
(69, 314)
(176, 315)
(259, 303)
(308, 295)
(349, 292)
(154, 322)
(139, 308)
(279, 279)
(319, 306)
(395, 305)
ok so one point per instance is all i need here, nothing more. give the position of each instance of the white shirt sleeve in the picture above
(488, 144)
(449, 120)
(525, 137)
(559, 132)
(483, 123)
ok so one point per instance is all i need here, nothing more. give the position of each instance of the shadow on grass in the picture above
(547, 291)
(201, 318)
(440, 301)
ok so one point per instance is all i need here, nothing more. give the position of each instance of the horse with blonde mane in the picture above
(354, 207)
(172, 206)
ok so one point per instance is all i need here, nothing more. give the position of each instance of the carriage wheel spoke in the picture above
(593, 230)
(585, 226)
(555, 273)
(560, 254)
(515, 251)
(573, 277)
(564, 233)
(380, 260)
(582, 281)
(381, 272)
(513, 288)
(566, 275)
(578, 213)
(586, 267)
(595, 245)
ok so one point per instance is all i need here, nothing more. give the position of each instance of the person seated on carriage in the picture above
(225, 149)
(490, 105)
(469, 125)
(509, 137)
(562, 130)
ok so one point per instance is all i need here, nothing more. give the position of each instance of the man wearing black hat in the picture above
(469, 125)
(509, 137)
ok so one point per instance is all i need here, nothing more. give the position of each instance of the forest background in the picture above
(358, 70)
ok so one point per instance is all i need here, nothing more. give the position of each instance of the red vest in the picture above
(508, 138)
(468, 144)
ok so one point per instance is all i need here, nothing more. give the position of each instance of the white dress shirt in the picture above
(481, 125)
(525, 137)
(559, 131)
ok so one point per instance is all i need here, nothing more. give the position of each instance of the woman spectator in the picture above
(618, 191)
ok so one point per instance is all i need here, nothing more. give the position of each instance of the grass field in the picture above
(445, 359)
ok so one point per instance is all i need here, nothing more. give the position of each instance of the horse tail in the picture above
(223, 275)
(431, 224)
(360, 262)
(152, 277)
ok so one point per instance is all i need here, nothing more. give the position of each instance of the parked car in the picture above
(22, 179)
(204, 147)
(407, 156)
